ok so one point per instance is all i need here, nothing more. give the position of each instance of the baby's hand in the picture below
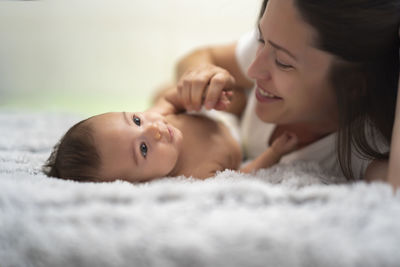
(223, 101)
(285, 143)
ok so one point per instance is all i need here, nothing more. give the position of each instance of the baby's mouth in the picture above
(171, 134)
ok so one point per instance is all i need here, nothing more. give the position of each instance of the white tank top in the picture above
(255, 134)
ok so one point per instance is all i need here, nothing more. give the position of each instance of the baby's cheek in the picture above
(169, 158)
(173, 156)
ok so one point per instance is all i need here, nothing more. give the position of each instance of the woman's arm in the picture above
(393, 176)
(389, 170)
(377, 170)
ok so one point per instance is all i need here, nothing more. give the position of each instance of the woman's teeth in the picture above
(266, 94)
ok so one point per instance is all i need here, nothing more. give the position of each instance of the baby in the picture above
(160, 142)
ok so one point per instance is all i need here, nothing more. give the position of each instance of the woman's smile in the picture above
(264, 96)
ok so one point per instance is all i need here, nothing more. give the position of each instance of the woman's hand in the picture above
(168, 101)
(206, 85)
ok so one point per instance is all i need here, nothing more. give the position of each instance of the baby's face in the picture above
(135, 147)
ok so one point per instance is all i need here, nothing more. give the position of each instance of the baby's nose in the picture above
(157, 136)
(154, 131)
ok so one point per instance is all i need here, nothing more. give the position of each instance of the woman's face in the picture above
(291, 75)
(135, 147)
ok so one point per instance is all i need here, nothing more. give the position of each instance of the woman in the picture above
(325, 70)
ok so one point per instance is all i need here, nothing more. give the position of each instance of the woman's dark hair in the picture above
(75, 156)
(363, 35)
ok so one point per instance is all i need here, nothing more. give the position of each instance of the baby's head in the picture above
(135, 147)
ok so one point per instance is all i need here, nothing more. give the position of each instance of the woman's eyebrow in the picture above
(276, 46)
(282, 49)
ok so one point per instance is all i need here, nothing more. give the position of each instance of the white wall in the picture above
(99, 55)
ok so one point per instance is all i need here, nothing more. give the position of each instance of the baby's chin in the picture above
(179, 137)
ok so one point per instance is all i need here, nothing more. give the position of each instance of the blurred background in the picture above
(94, 56)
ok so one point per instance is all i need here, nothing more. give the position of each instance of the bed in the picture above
(288, 215)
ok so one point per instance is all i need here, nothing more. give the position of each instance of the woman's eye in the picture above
(143, 149)
(136, 120)
(261, 40)
(281, 65)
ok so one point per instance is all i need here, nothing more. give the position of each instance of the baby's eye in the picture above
(136, 120)
(143, 149)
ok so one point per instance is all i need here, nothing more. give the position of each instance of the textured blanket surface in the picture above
(288, 215)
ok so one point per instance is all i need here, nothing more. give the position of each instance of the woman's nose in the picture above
(260, 67)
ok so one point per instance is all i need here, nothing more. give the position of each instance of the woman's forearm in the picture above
(394, 159)
(194, 59)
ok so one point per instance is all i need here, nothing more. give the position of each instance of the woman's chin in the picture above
(265, 114)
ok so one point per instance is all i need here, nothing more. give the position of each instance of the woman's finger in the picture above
(199, 88)
(218, 82)
(186, 93)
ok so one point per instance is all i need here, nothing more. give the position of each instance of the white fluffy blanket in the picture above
(288, 215)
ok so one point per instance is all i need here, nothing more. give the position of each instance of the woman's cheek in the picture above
(285, 85)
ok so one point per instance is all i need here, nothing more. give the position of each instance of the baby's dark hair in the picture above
(75, 156)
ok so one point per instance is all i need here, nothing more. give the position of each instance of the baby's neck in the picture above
(195, 130)
(206, 146)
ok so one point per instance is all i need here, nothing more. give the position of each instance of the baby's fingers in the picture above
(224, 101)
(291, 138)
(285, 143)
(291, 142)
